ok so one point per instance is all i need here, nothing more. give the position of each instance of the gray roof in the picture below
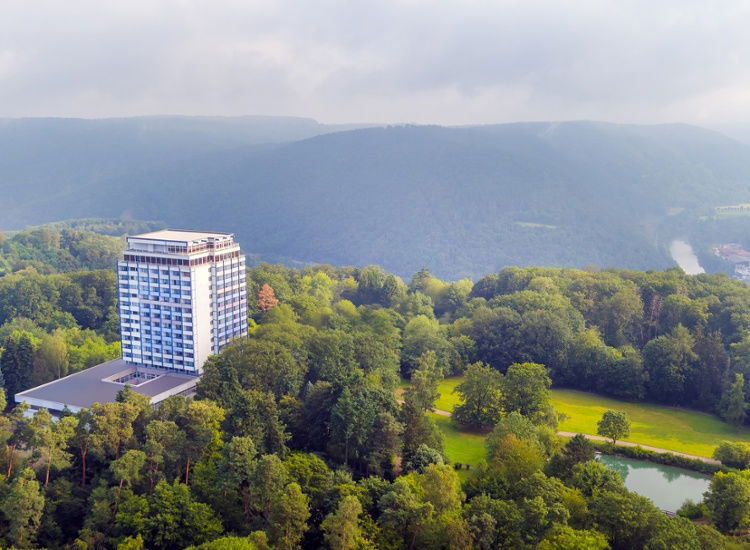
(181, 235)
(89, 386)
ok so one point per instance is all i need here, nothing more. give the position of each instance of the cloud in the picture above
(439, 61)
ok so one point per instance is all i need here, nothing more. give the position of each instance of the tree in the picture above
(16, 362)
(52, 439)
(481, 397)
(269, 477)
(627, 519)
(288, 517)
(614, 425)
(384, 443)
(201, 423)
(422, 334)
(497, 335)
(576, 451)
(18, 434)
(512, 458)
(256, 364)
(22, 506)
(526, 390)
(728, 501)
(353, 419)
(677, 532)
(266, 298)
(494, 523)
(240, 460)
(50, 358)
(566, 538)
(127, 468)
(177, 521)
(732, 406)
(404, 514)
(734, 454)
(341, 527)
(592, 477)
(163, 447)
(424, 382)
(255, 414)
(440, 487)
(228, 543)
(83, 439)
(422, 457)
(670, 360)
(112, 426)
(419, 429)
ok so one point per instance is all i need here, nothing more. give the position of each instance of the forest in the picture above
(463, 201)
(297, 438)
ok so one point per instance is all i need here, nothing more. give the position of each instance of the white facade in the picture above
(183, 297)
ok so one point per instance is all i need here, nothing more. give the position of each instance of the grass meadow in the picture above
(676, 429)
(672, 428)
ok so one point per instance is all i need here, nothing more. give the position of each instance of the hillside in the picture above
(461, 201)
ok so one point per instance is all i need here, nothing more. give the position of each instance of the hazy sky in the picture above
(439, 61)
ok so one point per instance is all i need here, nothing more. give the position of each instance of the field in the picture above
(460, 446)
(670, 428)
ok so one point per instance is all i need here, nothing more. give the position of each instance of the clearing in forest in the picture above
(676, 429)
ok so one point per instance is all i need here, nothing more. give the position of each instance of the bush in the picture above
(734, 454)
(692, 510)
(421, 458)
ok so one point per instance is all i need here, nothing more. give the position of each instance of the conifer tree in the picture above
(16, 362)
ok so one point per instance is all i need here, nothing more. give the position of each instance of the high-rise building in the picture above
(183, 297)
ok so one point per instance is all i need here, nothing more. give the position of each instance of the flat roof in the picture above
(82, 389)
(182, 235)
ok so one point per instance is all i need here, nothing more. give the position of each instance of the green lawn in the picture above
(671, 428)
(447, 399)
(460, 446)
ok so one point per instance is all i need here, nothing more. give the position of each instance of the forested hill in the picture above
(48, 164)
(461, 201)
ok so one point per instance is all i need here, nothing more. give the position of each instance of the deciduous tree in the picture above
(481, 397)
(614, 425)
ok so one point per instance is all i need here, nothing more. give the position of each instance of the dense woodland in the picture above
(463, 201)
(296, 437)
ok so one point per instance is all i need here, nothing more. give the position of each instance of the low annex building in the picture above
(182, 297)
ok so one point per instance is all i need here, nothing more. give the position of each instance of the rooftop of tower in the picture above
(183, 236)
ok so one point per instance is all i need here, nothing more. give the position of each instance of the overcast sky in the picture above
(424, 61)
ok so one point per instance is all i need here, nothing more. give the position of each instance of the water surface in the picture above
(667, 486)
(683, 254)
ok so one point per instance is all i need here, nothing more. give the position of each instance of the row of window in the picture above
(153, 271)
(175, 365)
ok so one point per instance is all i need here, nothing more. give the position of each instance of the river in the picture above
(667, 486)
(683, 254)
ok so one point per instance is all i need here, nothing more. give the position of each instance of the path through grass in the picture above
(676, 429)
(671, 428)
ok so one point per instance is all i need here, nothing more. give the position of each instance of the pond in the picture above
(667, 486)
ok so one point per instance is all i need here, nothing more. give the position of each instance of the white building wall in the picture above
(202, 318)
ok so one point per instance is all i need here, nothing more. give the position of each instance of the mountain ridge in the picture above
(461, 201)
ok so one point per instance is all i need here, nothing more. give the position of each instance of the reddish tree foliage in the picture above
(266, 298)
